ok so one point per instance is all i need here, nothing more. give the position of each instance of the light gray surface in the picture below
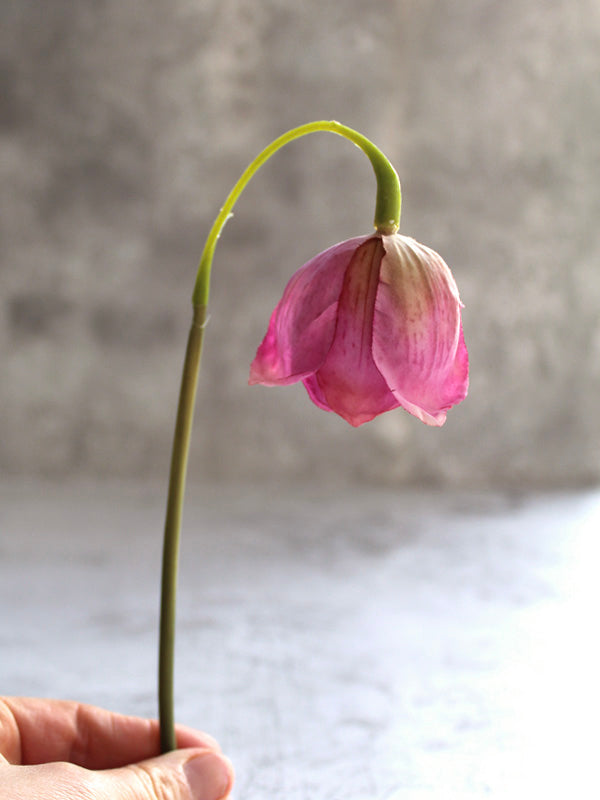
(124, 125)
(340, 645)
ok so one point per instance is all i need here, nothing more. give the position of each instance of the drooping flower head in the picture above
(368, 325)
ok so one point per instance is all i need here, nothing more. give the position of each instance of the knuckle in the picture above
(158, 784)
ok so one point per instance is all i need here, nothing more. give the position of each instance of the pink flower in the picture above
(370, 324)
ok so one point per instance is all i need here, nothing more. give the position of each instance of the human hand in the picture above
(51, 749)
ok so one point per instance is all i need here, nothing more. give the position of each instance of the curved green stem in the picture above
(387, 219)
(387, 207)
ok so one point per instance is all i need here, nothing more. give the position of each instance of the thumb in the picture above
(192, 774)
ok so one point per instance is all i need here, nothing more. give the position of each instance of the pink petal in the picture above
(348, 382)
(311, 384)
(302, 325)
(418, 344)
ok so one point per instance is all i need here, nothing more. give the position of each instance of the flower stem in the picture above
(387, 220)
(179, 459)
(387, 207)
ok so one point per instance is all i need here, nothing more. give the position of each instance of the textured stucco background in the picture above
(124, 125)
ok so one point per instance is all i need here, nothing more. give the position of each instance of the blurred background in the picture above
(124, 126)
(429, 634)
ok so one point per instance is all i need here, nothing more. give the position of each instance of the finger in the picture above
(34, 731)
(180, 775)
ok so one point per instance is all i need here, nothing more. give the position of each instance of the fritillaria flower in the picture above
(370, 324)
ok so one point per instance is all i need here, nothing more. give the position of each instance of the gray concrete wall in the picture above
(124, 125)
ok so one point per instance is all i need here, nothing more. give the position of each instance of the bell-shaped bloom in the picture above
(368, 325)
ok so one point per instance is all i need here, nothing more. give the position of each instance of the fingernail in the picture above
(208, 776)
